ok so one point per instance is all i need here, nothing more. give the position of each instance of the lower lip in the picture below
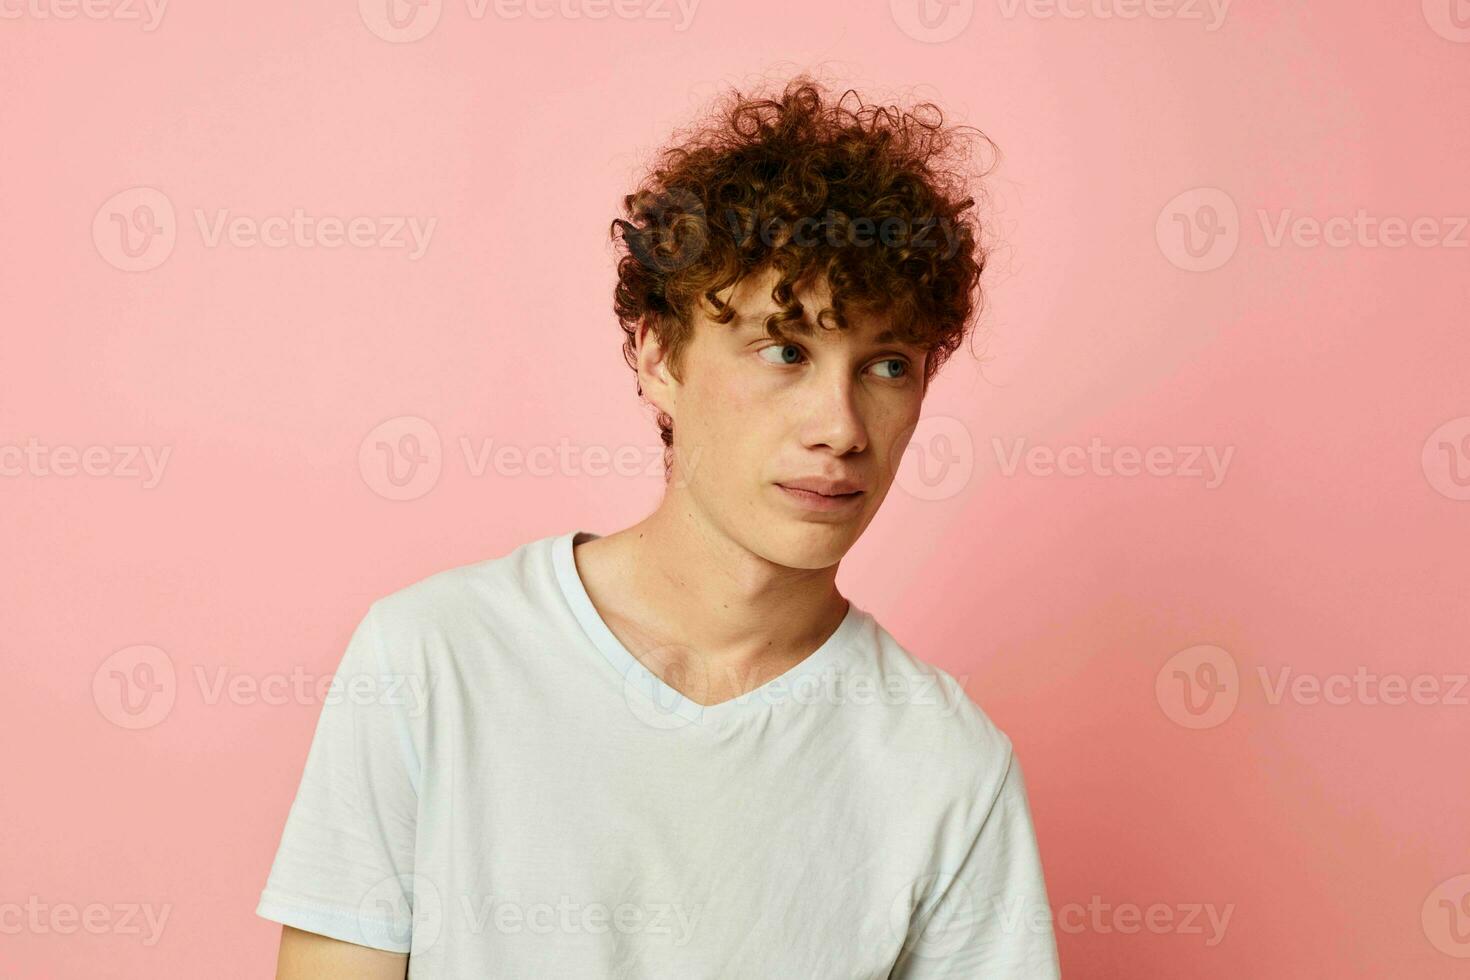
(812, 500)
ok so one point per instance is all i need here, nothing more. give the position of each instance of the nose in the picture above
(831, 419)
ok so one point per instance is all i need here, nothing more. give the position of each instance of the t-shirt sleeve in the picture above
(989, 917)
(344, 868)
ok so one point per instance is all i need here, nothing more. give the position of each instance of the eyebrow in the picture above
(801, 327)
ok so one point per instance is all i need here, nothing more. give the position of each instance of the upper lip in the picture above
(826, 487)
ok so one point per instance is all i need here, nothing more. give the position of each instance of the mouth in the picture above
(812, 499)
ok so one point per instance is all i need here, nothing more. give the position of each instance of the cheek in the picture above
(893, 429)
(706, 434)
(725, 406)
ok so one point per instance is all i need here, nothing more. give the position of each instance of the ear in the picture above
(656, 377)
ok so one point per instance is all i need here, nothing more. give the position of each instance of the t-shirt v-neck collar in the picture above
(649, 696)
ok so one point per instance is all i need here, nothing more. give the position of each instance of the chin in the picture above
(806, 544)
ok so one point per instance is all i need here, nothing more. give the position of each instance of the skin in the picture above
(308, 956)
(730, 582)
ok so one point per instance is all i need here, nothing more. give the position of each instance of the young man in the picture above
(676, 750)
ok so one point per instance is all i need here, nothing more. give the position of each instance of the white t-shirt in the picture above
(497, 787)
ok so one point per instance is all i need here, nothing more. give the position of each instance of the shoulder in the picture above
(931, 722)
(494, 593)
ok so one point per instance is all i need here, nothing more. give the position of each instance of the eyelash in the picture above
(898, 360)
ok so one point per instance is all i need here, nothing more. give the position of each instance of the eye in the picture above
(783, 353)
(897, 365)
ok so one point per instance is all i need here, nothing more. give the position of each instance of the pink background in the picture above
(1334, 834)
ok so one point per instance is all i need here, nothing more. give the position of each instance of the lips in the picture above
(813, 496)
(825, 487)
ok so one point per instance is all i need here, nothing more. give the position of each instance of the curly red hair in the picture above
(730, 196)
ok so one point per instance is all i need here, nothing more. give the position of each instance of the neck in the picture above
(681, 580)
